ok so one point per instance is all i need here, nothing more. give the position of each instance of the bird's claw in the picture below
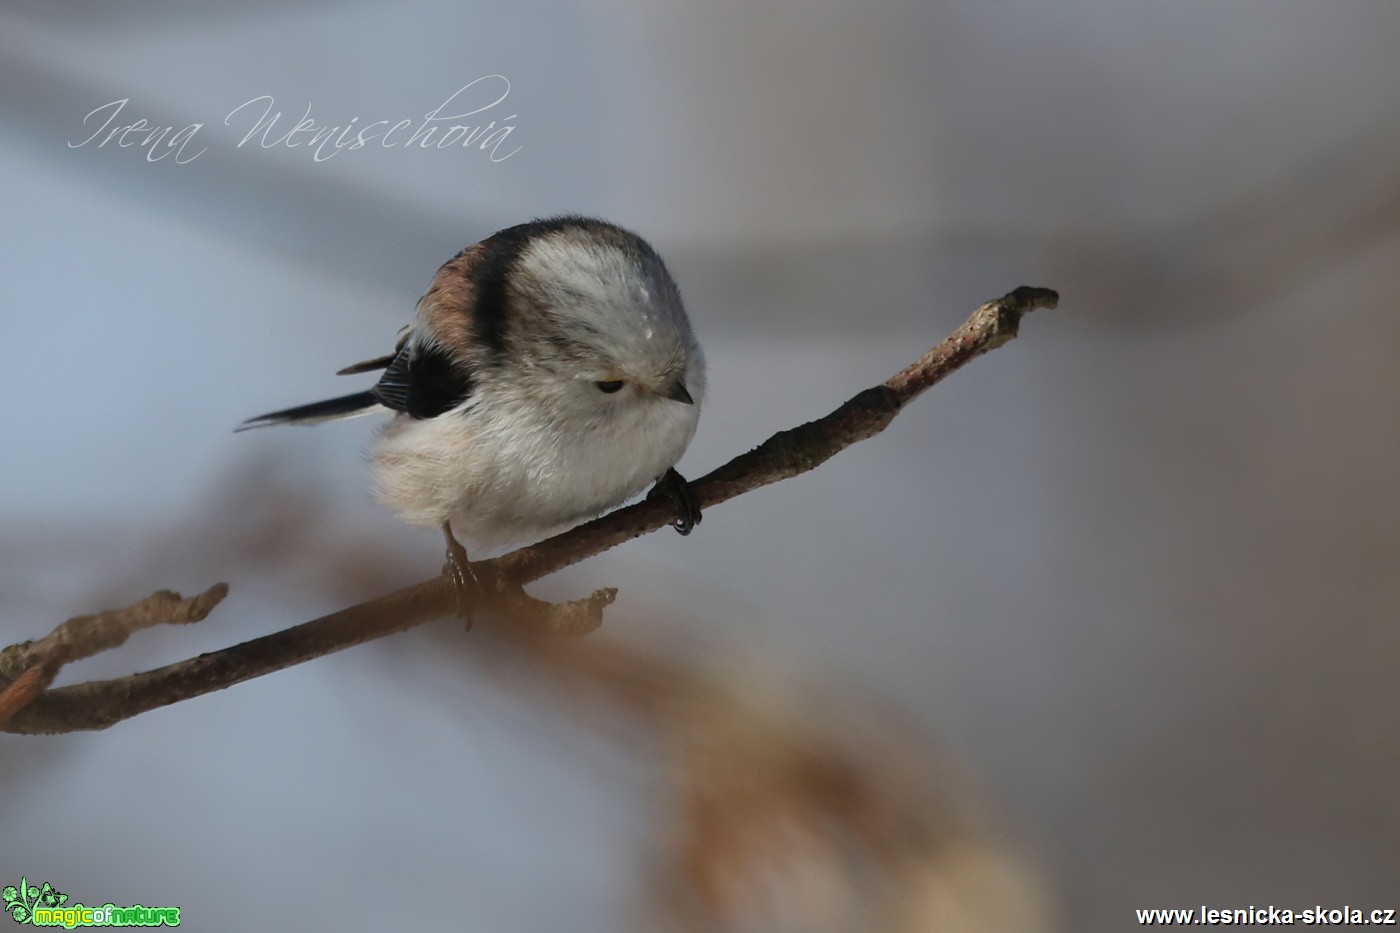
(675, 489)
(466, 588)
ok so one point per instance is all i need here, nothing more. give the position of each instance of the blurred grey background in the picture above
(1134, 575)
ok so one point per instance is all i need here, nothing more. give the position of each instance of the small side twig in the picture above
(31, 666)
(99, 704)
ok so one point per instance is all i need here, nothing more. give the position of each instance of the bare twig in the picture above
(31, 666)
(99, 704)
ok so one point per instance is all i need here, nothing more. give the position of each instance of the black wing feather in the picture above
(368, 366)
(392, 388)
(423, 382)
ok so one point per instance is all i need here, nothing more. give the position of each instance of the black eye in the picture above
(610, 385)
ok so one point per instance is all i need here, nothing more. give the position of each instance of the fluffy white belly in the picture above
(513, 476)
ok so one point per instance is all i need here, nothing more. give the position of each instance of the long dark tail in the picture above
(332, 409)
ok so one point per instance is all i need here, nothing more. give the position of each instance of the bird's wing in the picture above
(423, 381)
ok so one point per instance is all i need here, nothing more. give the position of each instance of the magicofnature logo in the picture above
(21, 901)
(43, 906)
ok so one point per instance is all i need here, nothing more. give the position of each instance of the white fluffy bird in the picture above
(550, 374)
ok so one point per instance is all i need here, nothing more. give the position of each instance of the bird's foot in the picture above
(676, 490)
(466, 588)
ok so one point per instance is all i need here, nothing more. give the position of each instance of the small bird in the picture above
(550, 373)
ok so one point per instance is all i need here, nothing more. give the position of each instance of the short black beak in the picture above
(677, 392)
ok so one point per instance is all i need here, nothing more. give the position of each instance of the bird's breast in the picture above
(506, 470)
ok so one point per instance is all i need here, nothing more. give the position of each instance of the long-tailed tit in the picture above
(550, 374)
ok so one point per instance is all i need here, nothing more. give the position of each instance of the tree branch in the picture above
(30, 666)
(99, 704)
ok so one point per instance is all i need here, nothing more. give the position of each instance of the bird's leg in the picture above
(465, 586)
(578, 617)
(676, 490)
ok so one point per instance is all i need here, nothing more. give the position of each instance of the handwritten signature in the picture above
(436, 129)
